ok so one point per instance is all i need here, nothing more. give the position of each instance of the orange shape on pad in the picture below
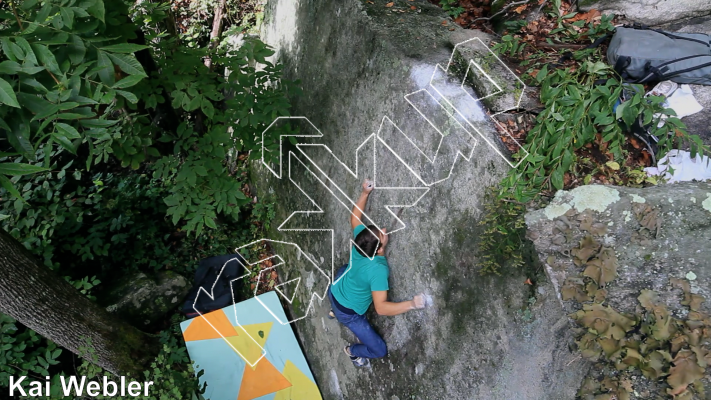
(264, 379)
(207, 325)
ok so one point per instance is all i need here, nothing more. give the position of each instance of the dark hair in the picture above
(367, 241)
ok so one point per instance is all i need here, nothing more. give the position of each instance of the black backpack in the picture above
(215, 273)
(641, 54)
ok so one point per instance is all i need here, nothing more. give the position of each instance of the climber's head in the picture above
(369, 241)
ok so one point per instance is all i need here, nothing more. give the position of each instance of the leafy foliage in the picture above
(577, 138)
(58, 75)
(90, 88)
(452, 7)
(76, 66)
(23, 352)
(503, 234)
(171, 372)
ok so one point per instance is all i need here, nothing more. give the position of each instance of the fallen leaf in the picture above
(528, 282)
(390, 4)
(413, 7)
(520, 9)
(685, 371)
(444, 23)
(591, 15)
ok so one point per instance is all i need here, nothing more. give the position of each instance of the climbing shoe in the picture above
(357, 361)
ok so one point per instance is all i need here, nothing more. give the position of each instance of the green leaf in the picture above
(613, 165)
(29, 70)
(27, 4)
(34, 83)
(30, 28)
(542, 73)
(67, 131)
(97, 123)
(27, 49)
(200, 170)
(96, 9)
(210, 222)
(15, 169)
(10, 49)
(47, 58)
(44, 12)
(10, 67)
(7, 184)
(208, 109)
(124, 48)
(106, 73)
(34, 103)
(128, 63)
(76, 50)
(64, 142)
(557, 178)
(67, 16)
(194, 103)
(128, 96)
(19, 139)
(7, 95)
(128, 81)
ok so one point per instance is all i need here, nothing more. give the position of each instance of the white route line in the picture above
(327, 182)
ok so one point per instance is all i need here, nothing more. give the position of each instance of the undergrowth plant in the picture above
(578, 134)
(452, 7)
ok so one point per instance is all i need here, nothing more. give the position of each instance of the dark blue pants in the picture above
(372, 345)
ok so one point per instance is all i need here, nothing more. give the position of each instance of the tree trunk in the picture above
(44, 302)
(216, 28)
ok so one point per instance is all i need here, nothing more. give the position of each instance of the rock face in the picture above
(649, 12)
(656, 234)
(680, 215)
(491, 337)
(143, 300)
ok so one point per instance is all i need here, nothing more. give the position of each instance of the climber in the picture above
(365, 282)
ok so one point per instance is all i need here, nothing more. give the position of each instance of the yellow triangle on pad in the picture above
(247, 347)
(301, 386)
(254, 329)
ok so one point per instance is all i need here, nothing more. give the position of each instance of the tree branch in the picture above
(17, 17)
(216, 29)
(503, 10)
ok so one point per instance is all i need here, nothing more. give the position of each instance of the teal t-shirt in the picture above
(353, 289)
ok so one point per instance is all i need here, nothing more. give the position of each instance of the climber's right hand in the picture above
(418, 301)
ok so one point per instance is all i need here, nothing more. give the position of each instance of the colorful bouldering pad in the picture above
(257, 359)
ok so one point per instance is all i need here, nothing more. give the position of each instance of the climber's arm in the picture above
(357, 212)
(385, 307)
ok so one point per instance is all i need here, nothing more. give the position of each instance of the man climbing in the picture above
(365, 282)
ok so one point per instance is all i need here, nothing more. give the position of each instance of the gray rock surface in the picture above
(490, 337)
(677, 244)
(144, 300)
(649, 12)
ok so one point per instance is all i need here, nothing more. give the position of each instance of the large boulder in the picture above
(485, 337)
(145, 300)
(648, 239)
(649, 12)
